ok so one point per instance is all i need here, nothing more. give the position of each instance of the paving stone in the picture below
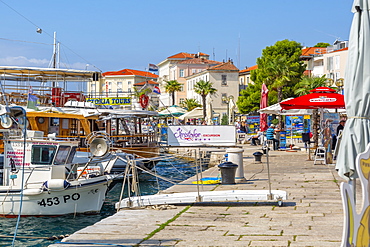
(306, 219)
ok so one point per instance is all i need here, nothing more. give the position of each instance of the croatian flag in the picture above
(153, 67)
(156, 90)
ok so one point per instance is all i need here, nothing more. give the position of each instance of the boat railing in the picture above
(133, 139)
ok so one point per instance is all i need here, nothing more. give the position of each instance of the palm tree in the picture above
(203, 88)
(280, 72)
(302, 88)
(190, 104)
(171, 87)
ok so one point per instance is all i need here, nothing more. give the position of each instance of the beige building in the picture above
(178, 67)
(225, 78)
(119, 83)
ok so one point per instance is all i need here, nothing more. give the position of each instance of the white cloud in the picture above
(23, 61)
(34, 62)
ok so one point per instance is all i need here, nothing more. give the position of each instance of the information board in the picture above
(201, 135)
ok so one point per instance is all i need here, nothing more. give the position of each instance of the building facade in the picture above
(224, 77)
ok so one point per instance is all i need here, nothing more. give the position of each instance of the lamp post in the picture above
(227, 101)
(329, 82)
(339, 83)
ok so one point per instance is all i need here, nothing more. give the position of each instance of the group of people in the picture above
(270, 135)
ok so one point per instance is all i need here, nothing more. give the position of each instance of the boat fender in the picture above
(56, 184)
(32, 192)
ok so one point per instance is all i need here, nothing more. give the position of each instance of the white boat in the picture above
(38, 177)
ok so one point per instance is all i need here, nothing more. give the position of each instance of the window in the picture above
(337, 62)
(42, 154)
(330, 63)
(224, 96)
(71, 155)
(93, 88)
(62, 155)
(129, 90)
(223, 80)
(193, 71)
(54, 121)
(182, 100)
(181, 73)
(119, 86)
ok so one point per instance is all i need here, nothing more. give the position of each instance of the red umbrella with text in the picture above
(263, 104)
(320, 98)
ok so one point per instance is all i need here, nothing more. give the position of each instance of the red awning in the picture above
(315, 100)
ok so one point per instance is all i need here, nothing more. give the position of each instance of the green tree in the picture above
(190, 104)
(171, 87)
(280, 69)
(203, 88)
(322, 44)
(308, 83)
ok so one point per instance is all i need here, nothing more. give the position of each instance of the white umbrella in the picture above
(172, 111)
(195, 113)
(356, 133)
(277, 110)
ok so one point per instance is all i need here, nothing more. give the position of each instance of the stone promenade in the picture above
(312, 215)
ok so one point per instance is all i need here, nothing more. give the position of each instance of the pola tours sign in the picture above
(202, 135)
(110, 101)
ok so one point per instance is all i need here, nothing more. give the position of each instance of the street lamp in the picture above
(227, 101)
(339, 83)
(329, 82)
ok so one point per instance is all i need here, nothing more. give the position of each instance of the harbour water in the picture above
(34, 231)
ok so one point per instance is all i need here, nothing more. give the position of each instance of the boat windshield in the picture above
(64, 155)
(43, 154)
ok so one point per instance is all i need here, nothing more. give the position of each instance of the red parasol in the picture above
(263, 104)
(321, 97)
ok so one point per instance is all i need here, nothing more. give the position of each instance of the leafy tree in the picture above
(279, 74)
(138, 92)
(280, 69)
(203, 88)
(225, 120)
(308, 83)
(190, 104)
(171, 87)
(322, 44)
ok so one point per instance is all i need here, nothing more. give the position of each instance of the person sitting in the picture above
(270, 136)
(243, 128)
(256, 138)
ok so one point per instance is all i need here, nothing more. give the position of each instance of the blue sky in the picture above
(114, 35)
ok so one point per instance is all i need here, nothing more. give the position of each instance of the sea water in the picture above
(33, 231)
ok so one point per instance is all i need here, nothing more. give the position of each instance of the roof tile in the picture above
(130, 72)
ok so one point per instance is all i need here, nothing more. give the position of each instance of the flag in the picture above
(153, 67)
(156, 90)
(32, 101)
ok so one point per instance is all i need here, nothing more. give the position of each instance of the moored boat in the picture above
(39, 177)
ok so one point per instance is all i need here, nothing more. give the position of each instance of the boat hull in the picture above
(85, 197)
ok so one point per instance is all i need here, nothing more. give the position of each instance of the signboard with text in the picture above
(110, 101)
(201, 135)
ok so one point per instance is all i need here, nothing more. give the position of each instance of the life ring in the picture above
(144, 100)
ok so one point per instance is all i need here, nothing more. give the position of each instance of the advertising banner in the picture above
(110, 101)
(201, 135)
(282, 139)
